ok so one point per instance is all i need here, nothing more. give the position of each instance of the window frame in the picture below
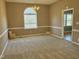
(66, 20)
(31, 14)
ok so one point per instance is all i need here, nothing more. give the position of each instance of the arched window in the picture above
(30, 18)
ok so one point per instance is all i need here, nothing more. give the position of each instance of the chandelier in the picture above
(35, 6)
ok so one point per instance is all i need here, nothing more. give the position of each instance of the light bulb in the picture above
(38, 8)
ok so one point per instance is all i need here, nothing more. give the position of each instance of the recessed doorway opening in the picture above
(68, 24)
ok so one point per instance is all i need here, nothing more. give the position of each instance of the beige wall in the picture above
(16, 18)
(47, 15)
(3, 25)
(56, 16)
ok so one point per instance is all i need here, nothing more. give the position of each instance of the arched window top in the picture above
(29, 11)
(30, 18)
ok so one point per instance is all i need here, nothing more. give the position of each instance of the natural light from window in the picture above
(30, 18)
(68, 20)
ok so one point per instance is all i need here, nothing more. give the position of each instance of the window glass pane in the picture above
(30, 19)
(69, 17)
(29, 26)
(29, 10)
(69, 23)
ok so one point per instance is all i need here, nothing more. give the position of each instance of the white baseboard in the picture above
(57, 36)
(75, 30)
(75, 43)
(2, 34)
(56, 27)
(62, 38)
(3, 50)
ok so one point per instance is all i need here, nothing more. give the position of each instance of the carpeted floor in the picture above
(41, 47)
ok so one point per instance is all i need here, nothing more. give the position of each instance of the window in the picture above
(30, 18)
(68, 19)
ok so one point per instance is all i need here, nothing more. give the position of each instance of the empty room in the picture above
(39, 29)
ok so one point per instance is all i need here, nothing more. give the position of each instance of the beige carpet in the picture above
(41, 47)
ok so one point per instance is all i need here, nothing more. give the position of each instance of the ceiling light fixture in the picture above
(36, 7)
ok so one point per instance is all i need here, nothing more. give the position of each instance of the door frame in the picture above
(63, 21)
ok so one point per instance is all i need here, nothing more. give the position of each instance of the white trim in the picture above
(43, 26)
(1, 35)
(75, 43)
(38, 27)
(4, 50)
(56, 27)
(63, 20)
(62, 38)
(57, 36)
(16, 28)
(69, 9)
(75, 30)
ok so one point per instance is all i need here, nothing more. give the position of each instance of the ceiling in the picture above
(34, 1)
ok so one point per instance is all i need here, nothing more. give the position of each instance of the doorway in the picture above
(68, 24)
